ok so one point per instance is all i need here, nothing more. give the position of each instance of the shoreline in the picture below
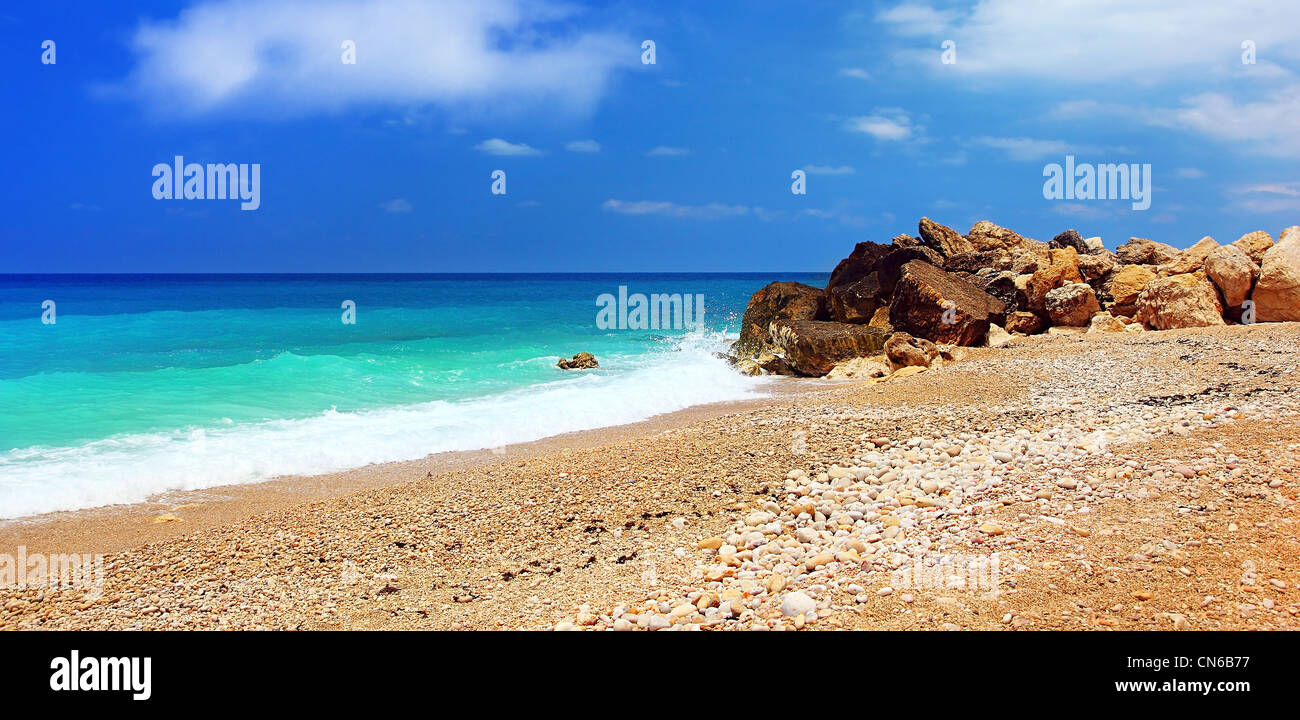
(118, 527)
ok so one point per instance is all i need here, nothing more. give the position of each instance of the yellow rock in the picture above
(166, 518)
(776, 583)
(990, 528)
(712, 543)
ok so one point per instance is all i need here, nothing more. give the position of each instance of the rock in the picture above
(798, 603)
(581, 361)
(1072, 305)
(1094, 245)
(1002, 285)
(943, 239)
(1277, 294)
(985, 235)
(1141, 251)
(859, 368)
(1189, 260)
(907, 241)
(997, 337)
(1105, 322)
(863, 282)
(1072, 239)
(930, 303)
(1062, 269)
(1179, 301)
(1125, 285)
(1030, 257)
(903, 350)
(1097, 266)
(973, 262)
(814, 347)
(1255, 244)
(881, 320)
(1026, 323)
(1233, 272)
(776, 301)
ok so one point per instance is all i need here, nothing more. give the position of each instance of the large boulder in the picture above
(1062, 269)
(1001, 285)
(1125, 285)
(1179, 301)
(1233, 272)
(863, 282)
(1072, 305)
(940, 307)
(985, 235)
(1255, 244)
(1030, 256)
(814, 347)
(1277, 294)
(973, 262)
(776, 301)
(1141, 251)
(943, 239)
(1191, 259)
(1105, 322)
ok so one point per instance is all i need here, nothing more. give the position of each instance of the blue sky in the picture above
(615, 165)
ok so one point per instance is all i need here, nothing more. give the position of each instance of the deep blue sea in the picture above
(150, 383)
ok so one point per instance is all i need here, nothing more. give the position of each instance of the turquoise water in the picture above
(145, 384)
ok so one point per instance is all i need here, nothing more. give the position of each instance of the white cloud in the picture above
(1269, 198)
(666, 151)
(1024, 148)
(497, 146)
(1265, 126)
(854, 72)
(285, 57)
(583, 146)
(712, 211)
(1107, 39)
(828, 170)
(1189, 173)
(888, 124)
(397, 205)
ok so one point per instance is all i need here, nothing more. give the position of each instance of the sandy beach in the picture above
(1119, 481)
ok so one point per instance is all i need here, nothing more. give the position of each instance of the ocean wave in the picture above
(679, 372)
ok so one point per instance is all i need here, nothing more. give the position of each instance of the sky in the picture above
(615, 164)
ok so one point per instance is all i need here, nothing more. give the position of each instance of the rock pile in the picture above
(975, 289)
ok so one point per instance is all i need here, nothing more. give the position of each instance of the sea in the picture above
(115, 388)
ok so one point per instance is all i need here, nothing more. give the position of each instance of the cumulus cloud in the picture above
(286, 56)
(712, 211)
(497, 146)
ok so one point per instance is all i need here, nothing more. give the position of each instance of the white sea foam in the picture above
(132, 468)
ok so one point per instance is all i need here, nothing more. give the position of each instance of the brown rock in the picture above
(581, 361)
(1141, 251)
(1026, 323)
(943, 239)
(1277, 294)
(1179, 301)
(1105, 322)
(903, 350)
(1233, 272)
(881, 320)
(776, 301)
(1062, 269)
(1189, 260)
(1030, 257)
(985, 235)
(1128, 281)
(814, 347)
(1255, 244)
(930, 303)
(864, 281)
(973, 262)
(1072, 305)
